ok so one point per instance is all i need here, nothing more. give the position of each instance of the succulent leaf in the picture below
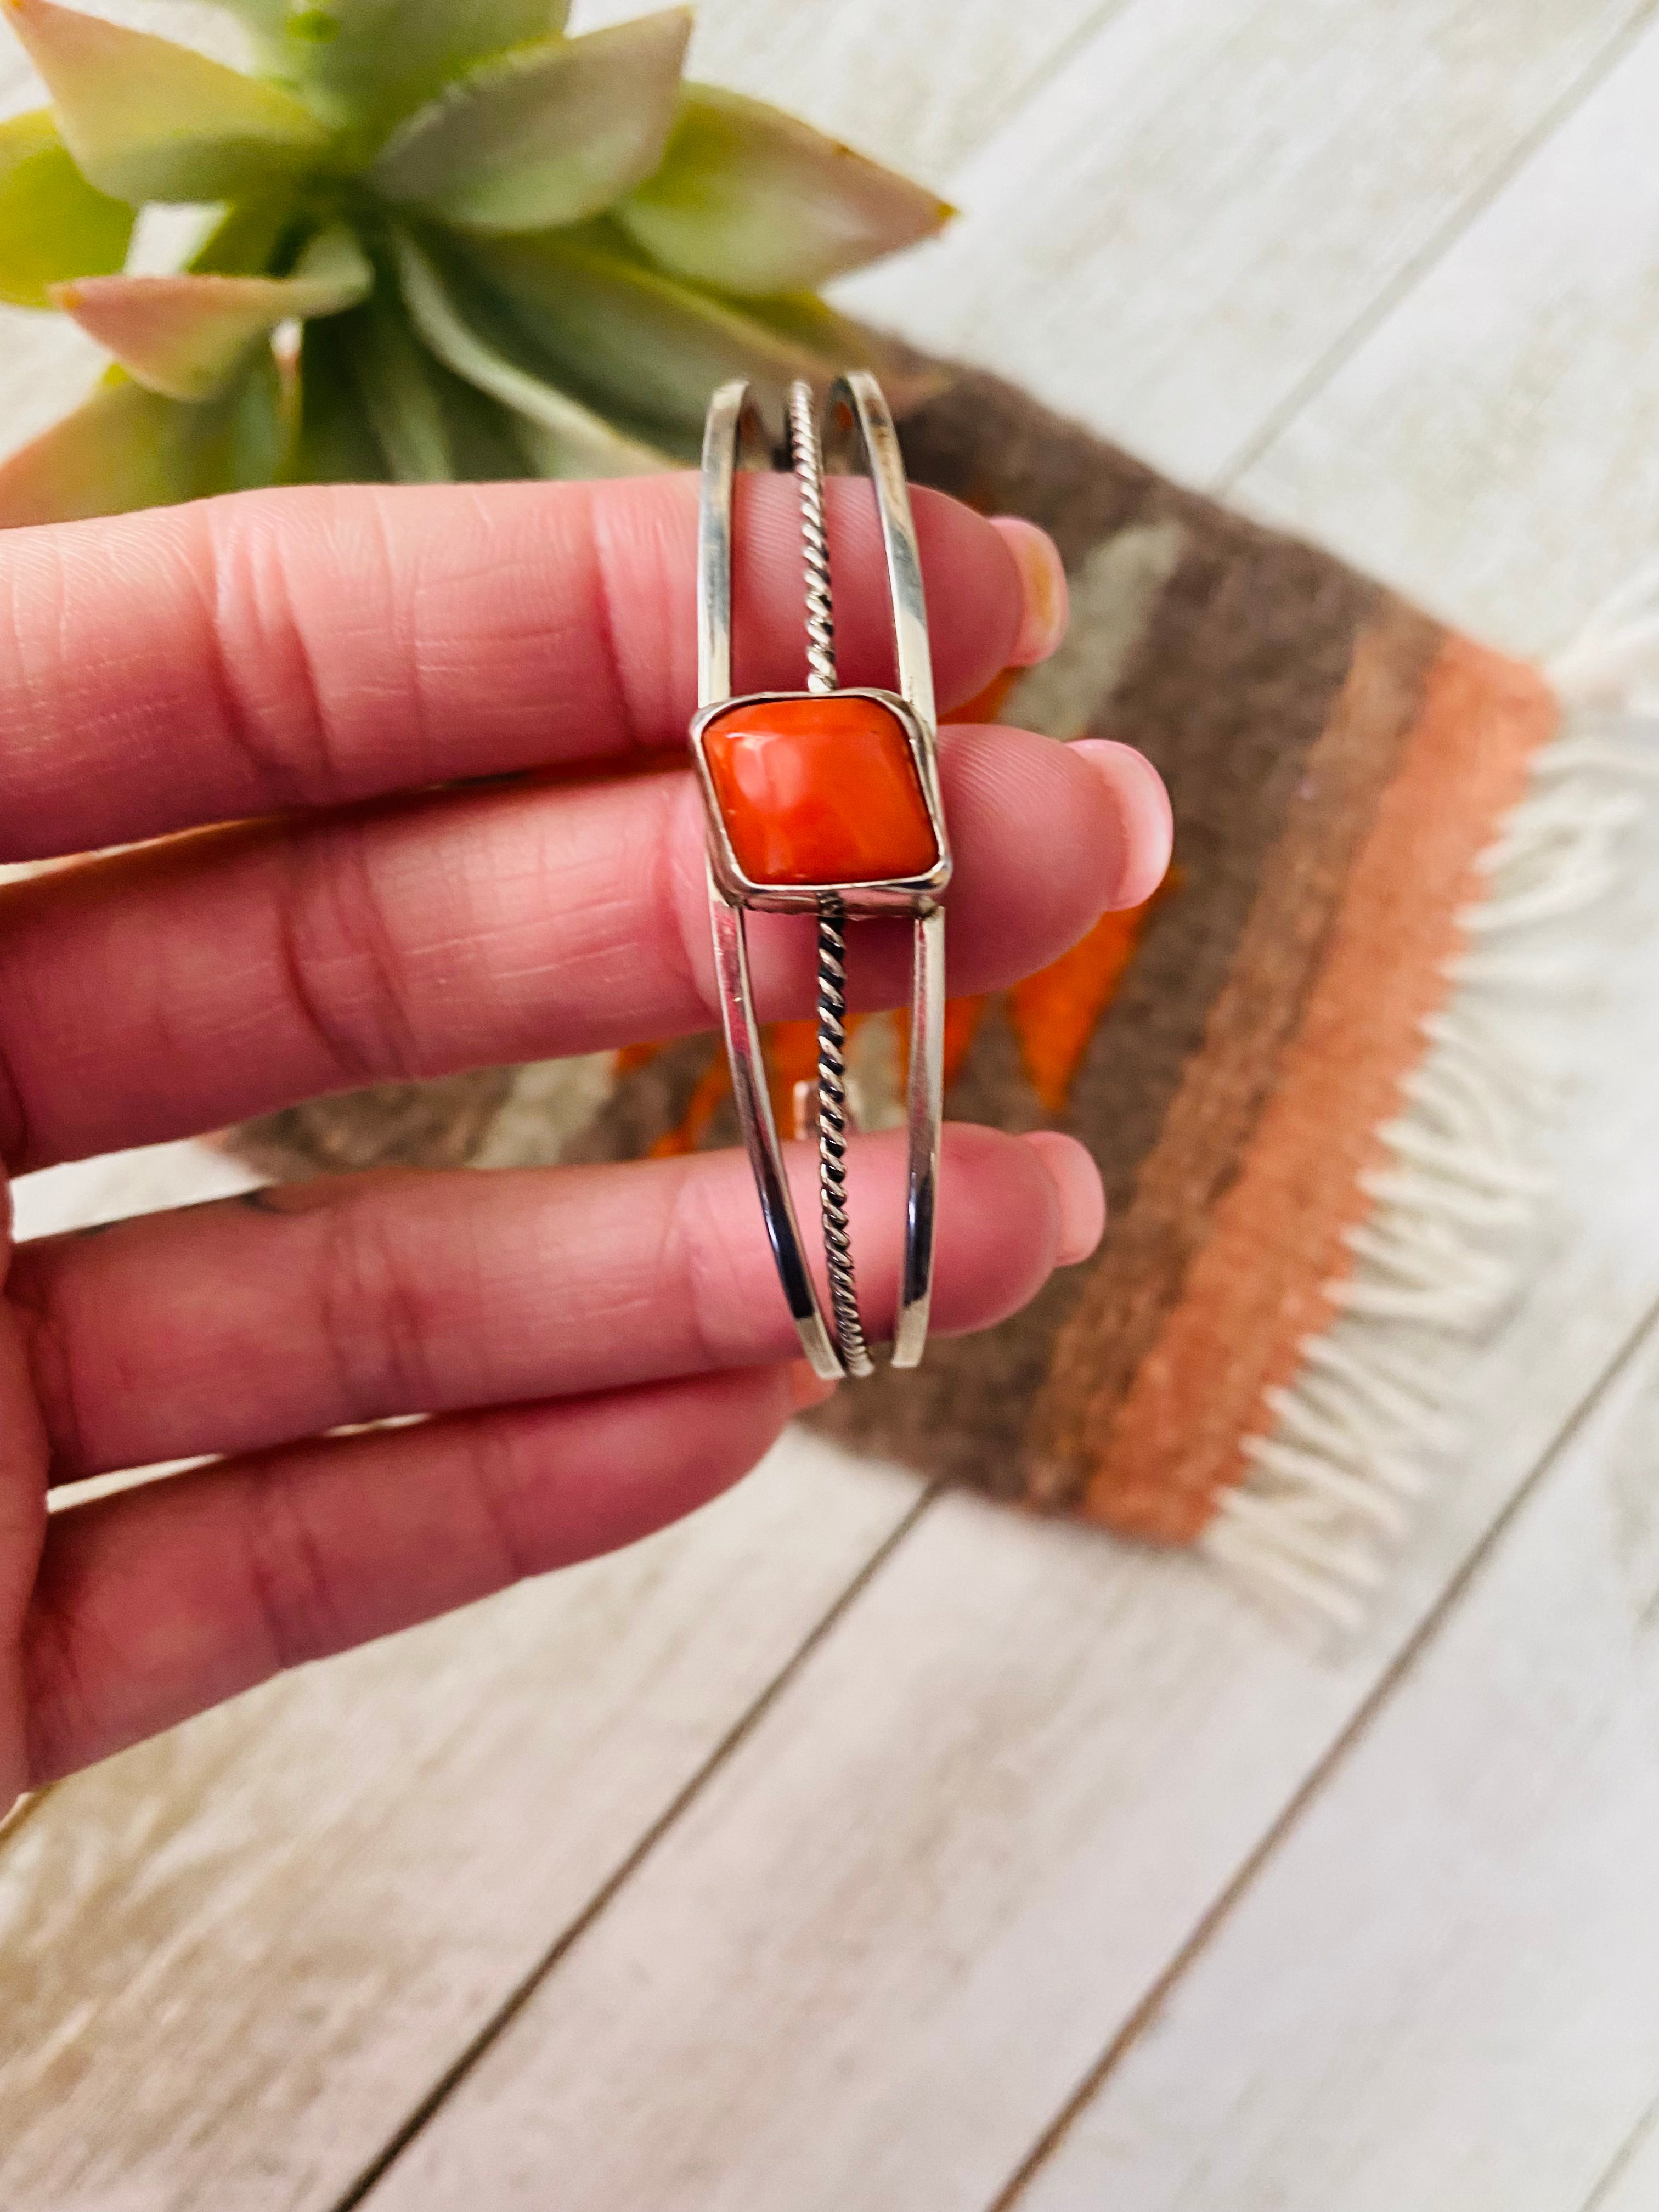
(364, 375)
(548, 134)
(750, 200)
(266, 17)
(396, 379)
(53, 223)
(189, 338)
(908, 378)
(632, 341)
(562, 437)
(379, 59)
(570, 252)
(149, 120)
(128, 447)
(336, 441)
(487, 442)
(248, 238)
(432, 427)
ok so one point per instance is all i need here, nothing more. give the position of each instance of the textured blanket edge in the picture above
(1355, 1445)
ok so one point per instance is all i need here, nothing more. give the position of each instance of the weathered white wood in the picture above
(1170, 240)
(233, 1959)
(83, 1192)
(921, 86)
(872, 1960)
(45, 363)
(1631, 2182)
(1494, 446)
(1443, 1991)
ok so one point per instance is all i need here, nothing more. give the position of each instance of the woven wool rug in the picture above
(1295, 1066)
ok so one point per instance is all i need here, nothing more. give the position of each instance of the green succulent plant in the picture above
(448, 242)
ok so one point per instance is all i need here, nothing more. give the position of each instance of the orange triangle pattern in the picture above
(1054, 1013)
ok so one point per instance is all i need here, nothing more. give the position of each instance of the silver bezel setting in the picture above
(909, 896)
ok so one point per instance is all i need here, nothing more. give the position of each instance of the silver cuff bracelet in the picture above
(825, 802)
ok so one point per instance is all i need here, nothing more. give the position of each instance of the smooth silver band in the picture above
(857, 417)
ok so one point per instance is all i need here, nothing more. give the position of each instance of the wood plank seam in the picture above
(1622, 2159)
(24, 1809)
(1065, 54)
(1477, 420)
(1399, 289)
(1322, 1775)
(521, 1994)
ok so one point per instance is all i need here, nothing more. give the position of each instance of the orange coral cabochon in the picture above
(819, 791)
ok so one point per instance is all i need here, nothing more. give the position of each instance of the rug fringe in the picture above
(1462, 1201)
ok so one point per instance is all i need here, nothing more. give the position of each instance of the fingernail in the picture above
(1145, 824)
(1045, 603)
(807, 1388)
(1077, 1180)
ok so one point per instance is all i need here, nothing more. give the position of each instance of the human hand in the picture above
(272, 685)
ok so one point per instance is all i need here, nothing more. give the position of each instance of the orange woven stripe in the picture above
(1260, 1285)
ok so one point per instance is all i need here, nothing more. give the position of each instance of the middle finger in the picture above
(170, 989)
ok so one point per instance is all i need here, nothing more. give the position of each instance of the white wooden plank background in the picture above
(918, 1900)
(1630, 2183)
(920, 88)
(1199, 210)
(1491, 2048)
(233, 1959)
(1474, 400)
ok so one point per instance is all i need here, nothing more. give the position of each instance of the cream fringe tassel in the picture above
(1461, 1206)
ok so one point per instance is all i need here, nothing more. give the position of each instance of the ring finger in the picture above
(254, 1323)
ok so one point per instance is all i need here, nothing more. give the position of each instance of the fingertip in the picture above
(1145, 821)
(1045, 599)
(1000, 1227)
(807, 1388)
(1078, 1188)
(1045, 838)
(976, 591)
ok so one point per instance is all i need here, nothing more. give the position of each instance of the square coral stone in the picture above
(819, 791)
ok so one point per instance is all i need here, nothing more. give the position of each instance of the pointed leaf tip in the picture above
(53, 223)
(754, 201)
(190, 336)
(546, 134)
(149, 120)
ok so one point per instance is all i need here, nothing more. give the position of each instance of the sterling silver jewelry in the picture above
(825, 802)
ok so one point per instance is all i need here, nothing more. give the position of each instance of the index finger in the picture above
(312, 647)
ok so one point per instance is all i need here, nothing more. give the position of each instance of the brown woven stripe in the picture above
(1142, 1273)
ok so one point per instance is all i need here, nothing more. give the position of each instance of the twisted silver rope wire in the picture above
(814, 539)
(808, 463)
